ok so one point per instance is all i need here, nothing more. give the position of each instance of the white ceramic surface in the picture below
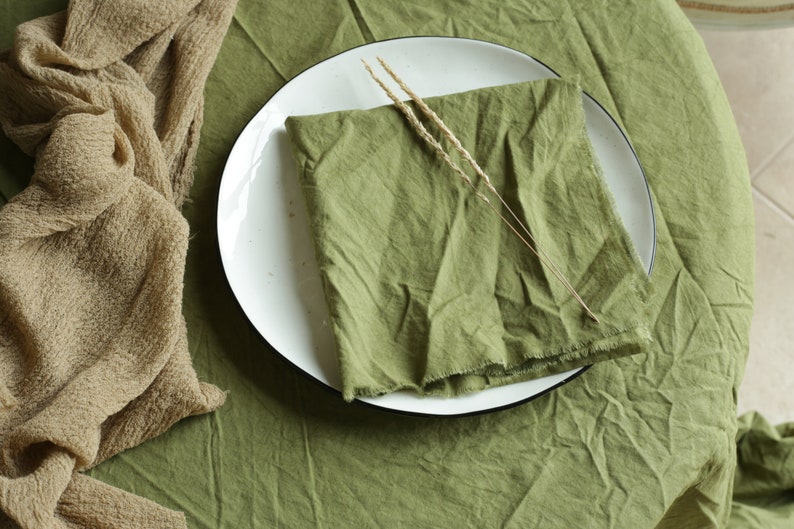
(263, 231)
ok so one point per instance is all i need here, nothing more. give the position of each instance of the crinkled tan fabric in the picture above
(93, 348)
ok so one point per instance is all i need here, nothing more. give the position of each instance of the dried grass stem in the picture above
(442, 153)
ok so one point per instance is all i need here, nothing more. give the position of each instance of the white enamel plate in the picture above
(263, 230)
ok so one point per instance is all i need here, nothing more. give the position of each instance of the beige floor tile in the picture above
(776, 180)
(755, 69)
(768, 382)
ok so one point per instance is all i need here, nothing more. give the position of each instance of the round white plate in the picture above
(263, 230)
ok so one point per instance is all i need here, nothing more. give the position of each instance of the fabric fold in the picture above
(427, 289)
(93, 344)
(764, 475)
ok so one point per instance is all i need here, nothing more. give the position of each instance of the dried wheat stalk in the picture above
(442, 153)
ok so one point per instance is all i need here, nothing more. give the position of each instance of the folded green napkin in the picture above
(427, 288)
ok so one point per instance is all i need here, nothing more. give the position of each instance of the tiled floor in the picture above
(757, 71)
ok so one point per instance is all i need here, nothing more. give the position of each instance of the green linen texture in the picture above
(427, 289)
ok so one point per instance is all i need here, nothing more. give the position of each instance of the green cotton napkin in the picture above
(427, 289)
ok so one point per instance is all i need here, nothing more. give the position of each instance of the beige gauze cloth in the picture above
(93, 346)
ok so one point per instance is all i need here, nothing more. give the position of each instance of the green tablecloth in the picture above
(640, 442)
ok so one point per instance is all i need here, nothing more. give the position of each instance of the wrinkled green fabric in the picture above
(764, 483)
(427, 289)
(643, 441)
